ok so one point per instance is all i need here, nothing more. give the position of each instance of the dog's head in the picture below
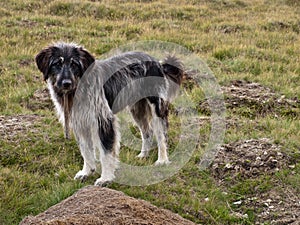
(64, 64)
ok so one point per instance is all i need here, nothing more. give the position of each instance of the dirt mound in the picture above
(256, 99)
(102, 206)
(12, 126)
(39, 100)
(252, 158)
(260, 98)
(276, 207)
(248, 159)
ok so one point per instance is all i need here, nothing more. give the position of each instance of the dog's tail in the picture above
(173, 69)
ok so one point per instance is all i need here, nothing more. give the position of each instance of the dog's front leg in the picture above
(85, 172)
(87, 151)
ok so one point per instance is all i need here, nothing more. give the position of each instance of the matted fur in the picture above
(98, 89)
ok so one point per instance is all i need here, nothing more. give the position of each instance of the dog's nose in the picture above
(66, 83)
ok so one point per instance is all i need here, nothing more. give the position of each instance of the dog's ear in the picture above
(86, 58)
(43, 60)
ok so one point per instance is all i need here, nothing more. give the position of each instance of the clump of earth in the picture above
(102, 206)
(256, 99)
(39, 100)
(13, 126)
(248, 159)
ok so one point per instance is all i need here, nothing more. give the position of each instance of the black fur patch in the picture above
(107, 134)
(128, 74)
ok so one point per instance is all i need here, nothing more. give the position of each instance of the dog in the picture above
(84, 90)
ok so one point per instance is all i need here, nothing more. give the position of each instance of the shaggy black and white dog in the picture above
(91, 92)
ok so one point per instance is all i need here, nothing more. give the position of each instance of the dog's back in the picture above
(124, 75)
(136, 75)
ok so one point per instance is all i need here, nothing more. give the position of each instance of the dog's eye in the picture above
(74, 63)
(57, 63)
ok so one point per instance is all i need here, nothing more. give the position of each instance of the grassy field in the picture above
(250, 40)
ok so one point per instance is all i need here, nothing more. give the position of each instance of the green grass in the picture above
(255, 40)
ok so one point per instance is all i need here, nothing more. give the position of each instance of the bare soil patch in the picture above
(263, 99)
(11, 127)
(39, 100)
(275, 206)
(102, 206)
(250, 159)
(256, 100)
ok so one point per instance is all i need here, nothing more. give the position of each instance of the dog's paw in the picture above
(162, 162)
(81, 175)
(102, 182)
(143, 154)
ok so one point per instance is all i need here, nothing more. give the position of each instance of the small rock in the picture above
(237, 202)
(228, 166)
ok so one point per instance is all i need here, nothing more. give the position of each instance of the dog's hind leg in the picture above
(159, 109)
(108, 144)
(141, 113)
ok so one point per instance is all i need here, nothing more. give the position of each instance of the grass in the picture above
(254, 40)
